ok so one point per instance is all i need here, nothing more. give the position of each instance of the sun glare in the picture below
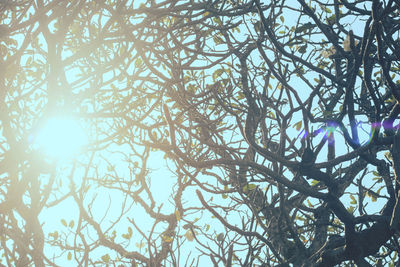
(61, 137)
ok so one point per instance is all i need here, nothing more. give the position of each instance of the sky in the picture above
(62, 137)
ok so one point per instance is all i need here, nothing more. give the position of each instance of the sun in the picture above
(61, 137)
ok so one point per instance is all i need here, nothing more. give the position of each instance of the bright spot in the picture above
(61, 137)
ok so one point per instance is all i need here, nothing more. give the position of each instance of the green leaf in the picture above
(64, 222)
(237, 29)
(305, 27)
(71, 224)
(29, 61)
(351, 209)
(331, 19)
(353, 200)
(217, 20)
(217, 40)
(105, 258)
(282, 19)
(217, 73)
(138, 62)
(69, 256)
(249, 187)
(240, 96)
(378, 179)
(110, 168)
(272, 115)
(314, 182)
(257, 26)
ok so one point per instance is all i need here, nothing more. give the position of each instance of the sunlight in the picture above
(61, 137)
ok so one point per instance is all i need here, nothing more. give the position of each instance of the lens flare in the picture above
(332, 127)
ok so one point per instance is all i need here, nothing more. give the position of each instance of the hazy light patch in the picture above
(61, 137)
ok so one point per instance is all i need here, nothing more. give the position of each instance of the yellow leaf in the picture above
(329, 52)
(298, 125)
(126, 236)
(178, 215)
(140, 245)
(167, 239)
(189, 235)
(130, 232)
(346, 44)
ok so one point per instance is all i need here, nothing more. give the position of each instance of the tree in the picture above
(274, 128)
